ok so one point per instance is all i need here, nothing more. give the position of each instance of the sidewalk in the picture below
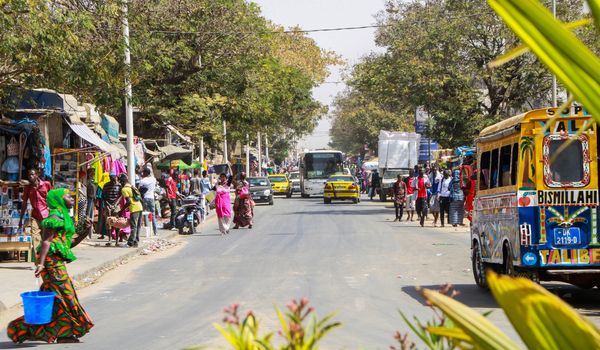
(94, 258)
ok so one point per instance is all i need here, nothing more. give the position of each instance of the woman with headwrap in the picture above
(222, 203)
(457, 200)
(243, 206)
(69, 320)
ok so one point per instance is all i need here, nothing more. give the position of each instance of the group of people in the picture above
(243, 205)
(434, 191)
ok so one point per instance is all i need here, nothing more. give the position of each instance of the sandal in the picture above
(71, 339)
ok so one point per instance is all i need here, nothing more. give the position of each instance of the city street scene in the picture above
(299, 174)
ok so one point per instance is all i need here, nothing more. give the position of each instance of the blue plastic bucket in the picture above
(38, 307)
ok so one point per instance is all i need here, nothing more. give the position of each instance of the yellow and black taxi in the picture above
(342, 187)
(281, 184)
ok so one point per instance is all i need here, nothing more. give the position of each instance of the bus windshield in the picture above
(567, 163)
(322, 165)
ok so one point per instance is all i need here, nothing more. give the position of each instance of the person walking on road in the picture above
(133, 201)
(204, 190)
(421, 184)
(147, 190)
(375, 181)
(457, 200)
(223, 203)
(69, 320)
(444, 197)
(434, 198)
(399, 197)
(35, 193)
(171, 185)
(243, 207)
(111, 196)
(410, 196)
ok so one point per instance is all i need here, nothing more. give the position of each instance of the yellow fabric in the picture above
(134, 206)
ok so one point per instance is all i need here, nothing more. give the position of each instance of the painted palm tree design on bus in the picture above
(527, 146)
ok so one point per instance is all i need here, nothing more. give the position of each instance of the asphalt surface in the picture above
(345, 258)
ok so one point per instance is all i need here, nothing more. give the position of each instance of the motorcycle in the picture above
(189, 215)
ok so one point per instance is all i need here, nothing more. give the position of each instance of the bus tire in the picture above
(507, 266)
(479, 266)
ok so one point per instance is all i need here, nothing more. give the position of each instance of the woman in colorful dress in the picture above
(457, 200)
(69, 320)
(223, 203)
(399, 197)
(243, 207)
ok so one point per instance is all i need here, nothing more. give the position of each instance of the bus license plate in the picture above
(567, 236)
(190, 217)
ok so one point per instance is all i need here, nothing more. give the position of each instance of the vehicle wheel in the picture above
(288, 195)
(355, 200)
(192, 229)
(478, 267)
(271, 202)
(508, 267)
(304, 196)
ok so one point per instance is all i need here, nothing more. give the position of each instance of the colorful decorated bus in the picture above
(536, 209)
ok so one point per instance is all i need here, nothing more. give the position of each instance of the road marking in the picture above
(230, 249)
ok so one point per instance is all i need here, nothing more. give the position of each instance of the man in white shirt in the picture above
(444, 193)
(147, 188)
(205, 187)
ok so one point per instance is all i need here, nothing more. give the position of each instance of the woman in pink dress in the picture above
(223, 204)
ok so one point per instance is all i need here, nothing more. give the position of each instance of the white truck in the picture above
(398, 152)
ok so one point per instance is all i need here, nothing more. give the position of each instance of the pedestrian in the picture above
(434, 198)
(147, 190)
(132, 201)
(399, 197)
(111, 198)
(457, 200)
(470, 197)
(410, 195)
(90, 192)
(421, 183)
(243, 206)
(35, 193)
(375, 181)
(171, 185)
(69, 320)
(195, 183)
(444, 196)
(222, 203)
(204, 190)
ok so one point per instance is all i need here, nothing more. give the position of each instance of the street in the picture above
(345, 258)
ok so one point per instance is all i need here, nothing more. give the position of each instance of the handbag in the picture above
(244, 193)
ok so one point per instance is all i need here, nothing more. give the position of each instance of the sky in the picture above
(350, 44)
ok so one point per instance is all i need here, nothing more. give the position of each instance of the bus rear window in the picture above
(566, 164)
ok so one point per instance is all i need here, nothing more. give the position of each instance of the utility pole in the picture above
(225, 158)
(247, 155)
(202, 151)
(128, 97)
(554, 88)
(259, 154)
(267, 149)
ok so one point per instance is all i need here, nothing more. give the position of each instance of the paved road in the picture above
(346, 258)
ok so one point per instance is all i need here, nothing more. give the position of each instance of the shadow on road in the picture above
(586, 301)
(11, 345)
(15, 268)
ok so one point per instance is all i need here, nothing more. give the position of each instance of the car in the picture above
(260, 190)
(281, 184)
(342, 187)
(295, 179)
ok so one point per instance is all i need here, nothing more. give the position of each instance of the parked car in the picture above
(281, 184)
(260, 190)
(295, 179)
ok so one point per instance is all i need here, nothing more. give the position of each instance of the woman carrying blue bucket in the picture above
(69, 321)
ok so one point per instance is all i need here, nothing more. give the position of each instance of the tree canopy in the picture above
(436, 57)
(194, 63)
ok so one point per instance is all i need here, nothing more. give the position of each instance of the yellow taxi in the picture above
(281, 184)
(341, 186)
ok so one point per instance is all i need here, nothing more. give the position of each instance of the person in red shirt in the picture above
(35, 193)
(410, 196)
(421, 184)
(171, 185)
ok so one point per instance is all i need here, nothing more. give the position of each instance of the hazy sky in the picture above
(350, 44)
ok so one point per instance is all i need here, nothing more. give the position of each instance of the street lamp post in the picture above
(128, 97)
(259, 154)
